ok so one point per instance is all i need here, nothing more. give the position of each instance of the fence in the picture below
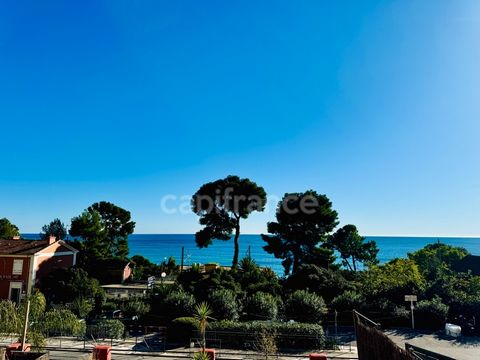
(372, 344)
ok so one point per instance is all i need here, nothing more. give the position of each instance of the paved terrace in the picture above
(62, 348)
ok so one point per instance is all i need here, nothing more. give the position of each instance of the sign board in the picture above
(410, 297)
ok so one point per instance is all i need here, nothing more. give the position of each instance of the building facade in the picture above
(23, 263)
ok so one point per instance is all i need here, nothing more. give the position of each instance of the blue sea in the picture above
(158, 247)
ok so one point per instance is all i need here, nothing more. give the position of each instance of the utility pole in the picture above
(25, 327)
(183, 255)
(336, 325)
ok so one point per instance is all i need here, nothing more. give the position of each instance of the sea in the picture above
(159, 247)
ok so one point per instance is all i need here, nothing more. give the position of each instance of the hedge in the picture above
(182, 329)
(290, 335)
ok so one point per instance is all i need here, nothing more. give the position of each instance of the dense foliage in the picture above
(224, 304)
(7, 229)
(43, 322)
(261, 306)
(305, 307)
(248, 298)
(434, 259)
(65, 286)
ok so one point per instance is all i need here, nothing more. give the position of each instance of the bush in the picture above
(290, 335)
(179, 303)
(134, 307)
(261, 306)
(224, 304)
(315, 279)
(306, 307)
(82, 307)
(200, 356)
(107, 329)
(252, 278)
(431, 314)
(348, 301)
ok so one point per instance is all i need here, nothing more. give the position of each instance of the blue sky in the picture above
(374, 103)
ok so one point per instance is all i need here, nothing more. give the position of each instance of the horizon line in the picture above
(256, 234)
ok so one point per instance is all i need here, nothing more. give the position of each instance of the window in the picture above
(17, 267)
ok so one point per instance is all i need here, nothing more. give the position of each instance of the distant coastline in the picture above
(158, 247)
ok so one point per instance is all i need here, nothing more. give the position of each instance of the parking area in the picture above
(461, 348)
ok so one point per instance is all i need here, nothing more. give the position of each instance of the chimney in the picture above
(51, 240)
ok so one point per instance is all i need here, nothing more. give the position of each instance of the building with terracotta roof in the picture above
(24, 262)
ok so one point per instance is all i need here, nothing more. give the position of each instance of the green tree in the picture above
(393, 280)
(104, 229)
(64, 286)
(221, 205)
(303, 221)
(55, 228)
(7, 229)
(352, 247)
(436, 258)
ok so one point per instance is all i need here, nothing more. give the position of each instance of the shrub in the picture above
(107, 329)
(306, 307)
(224, 304)
(82, 307)
(253, 278)
(200, 355)
(179, 303)
(348, 301)
(290, 335)
(318, 280)
(261, 306)
(431, 314)
(134, 307)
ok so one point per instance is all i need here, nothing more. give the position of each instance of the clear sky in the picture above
(374, 103)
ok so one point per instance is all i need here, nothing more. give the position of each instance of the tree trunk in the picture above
(354, 265)
(237, 249)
